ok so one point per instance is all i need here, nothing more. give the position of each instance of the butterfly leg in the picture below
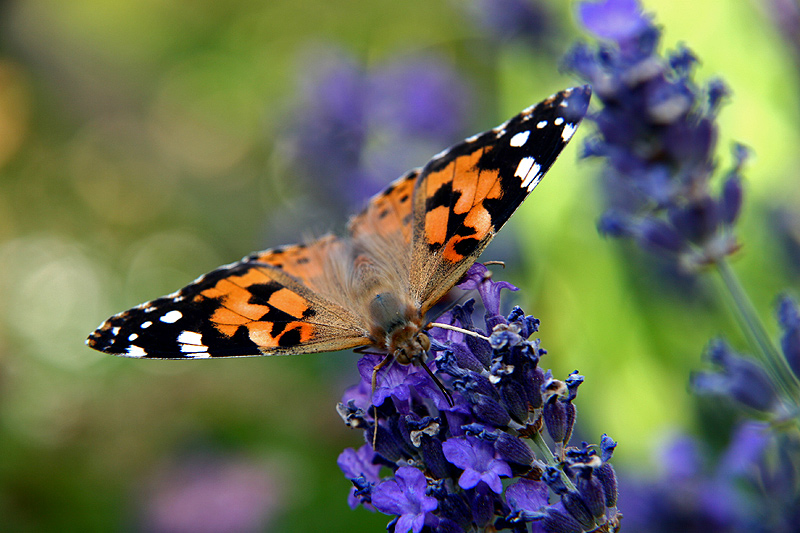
(436, 380)
(386, 360)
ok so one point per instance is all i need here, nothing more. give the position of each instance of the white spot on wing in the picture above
(520, 139)
(146, 324)
(541, 124)
(132, 337)
(441, 154)
(524, 167)
(115, 330)
(135, 351)
(192, 345)
(197, 355)
(537, 177)
(569, 131)
(171, 317)
(533, 177)
(559, 121)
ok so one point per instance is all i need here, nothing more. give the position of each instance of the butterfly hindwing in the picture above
(388, 214)
(465, 194)
(248, 308)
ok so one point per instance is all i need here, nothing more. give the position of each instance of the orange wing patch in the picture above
(388, 214)
(454, 205)
(305, 262)
(278, 313)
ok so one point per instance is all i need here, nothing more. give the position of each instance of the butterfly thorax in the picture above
(396, 327)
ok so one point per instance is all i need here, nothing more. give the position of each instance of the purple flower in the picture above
(617, 20)
(479, 278)
(789, 318)
(357, 464)
(478, 460)
(354, 127)
(740, 378)
(656, 129)
(404, 496)
(748, 489)
(210, 494)
(526, 497)
(466, 448)
(418, 96)
(399, 381)
(512, 19)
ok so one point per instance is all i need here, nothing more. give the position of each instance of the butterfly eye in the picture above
(401, 356)
(424, 341)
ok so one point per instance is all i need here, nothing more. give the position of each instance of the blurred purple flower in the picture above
(505, 20)
(785, 14)
(419, 96)
(211, 494)
(355, 128)
(617, 20)
(749, 489)
(789, 319)
(740, 378)
(685, 499)
(785, 226)
(657, 132)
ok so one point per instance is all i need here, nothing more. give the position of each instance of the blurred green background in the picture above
(145, 143)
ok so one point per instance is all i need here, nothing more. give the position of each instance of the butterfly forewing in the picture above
(247, 308)
(403, 252)
(466, 194)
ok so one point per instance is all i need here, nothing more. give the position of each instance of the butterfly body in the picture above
(373, 287)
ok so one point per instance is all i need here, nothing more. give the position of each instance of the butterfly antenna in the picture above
(437, 381)
(467, 294)
(386, 360)
(458, 329)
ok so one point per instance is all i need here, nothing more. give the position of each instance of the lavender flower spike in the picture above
(448, 462)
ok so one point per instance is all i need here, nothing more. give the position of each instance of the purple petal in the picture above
(527, 495)
(469, 478)
(493, 481)
(388, 497)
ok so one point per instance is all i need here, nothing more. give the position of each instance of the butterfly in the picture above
(373, 287)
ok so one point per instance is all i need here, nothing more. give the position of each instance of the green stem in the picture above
(541, 446)
(754, 329)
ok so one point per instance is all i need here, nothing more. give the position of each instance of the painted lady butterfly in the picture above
(372, 288)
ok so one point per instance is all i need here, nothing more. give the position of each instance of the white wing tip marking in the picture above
(569, 131)
(524, 167)
(533, 177)
(537, 177)
(192, 344)
(135, 351)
